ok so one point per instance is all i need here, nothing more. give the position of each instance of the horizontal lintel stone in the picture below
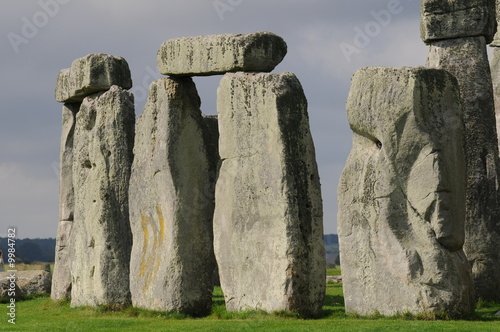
(90, 74)
(457, 19)
(218, 54)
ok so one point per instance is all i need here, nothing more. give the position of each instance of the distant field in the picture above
(42, 314)
(34, 266)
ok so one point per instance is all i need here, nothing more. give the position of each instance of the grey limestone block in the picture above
(401, 195)
(447, 19)
(101, 238)
(90, 74)
(218, 54)
(495, 78)
(496, 39)
(268, 221)
(61, 279)
(27, 283)
(172, 201)
(467, 60)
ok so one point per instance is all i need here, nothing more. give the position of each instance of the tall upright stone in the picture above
(86, 76)
(495, 71)
(101, 238)
(172, 201)
(402, 195)
(61, 278)
(495, 79)
(464, 55)
(268, 226)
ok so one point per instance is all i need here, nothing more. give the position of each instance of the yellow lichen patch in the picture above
(161, 220)
(150, 262)
(145, 231)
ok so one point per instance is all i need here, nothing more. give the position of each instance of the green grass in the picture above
(333, 272)
(43, 314)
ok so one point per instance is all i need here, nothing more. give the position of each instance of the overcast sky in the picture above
(328, 40)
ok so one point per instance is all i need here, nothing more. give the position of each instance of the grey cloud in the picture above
(313, 29)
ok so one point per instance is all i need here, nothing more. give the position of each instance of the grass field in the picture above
(42, 314)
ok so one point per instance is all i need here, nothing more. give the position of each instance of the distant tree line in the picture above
(43, 250)
(331, 239)
(32, 250)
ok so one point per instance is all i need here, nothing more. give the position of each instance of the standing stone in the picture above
(172, 202)
(402, 195)
(61, 279)
(467, 60)
(495, 78)
(218, 54)
(268, 227)
(101, 238)
(495, 71)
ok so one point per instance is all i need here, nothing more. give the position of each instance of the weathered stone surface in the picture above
(218, 54)
(66, 192)
(496, 39)
(402, 195)
(27, 283)
(457, 18)
(34, 282)
(466, 59)
(6, 286)
(61, 280)
(495, 77)
(268, 228)
(172, 202)
(100, 238)
(90, 74)
(334, 279)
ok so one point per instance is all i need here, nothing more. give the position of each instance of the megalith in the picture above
(495, 79)
(218, 54)
(87, 75)
(268, 227)
(402, 195)
(172, 201)
(463, 54)
(90, 74)
(495, 72)
(101, 239)
(61, 278)
(457, 18)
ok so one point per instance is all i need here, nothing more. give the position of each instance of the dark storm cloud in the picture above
(40, 37)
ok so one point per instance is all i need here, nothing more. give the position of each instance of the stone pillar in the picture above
(61, 278)
(94, 239)
(101, 237)
(268, 227)
(457, 33)
(402, 195)
(495, 71)
(172, 201)
(495, 78)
